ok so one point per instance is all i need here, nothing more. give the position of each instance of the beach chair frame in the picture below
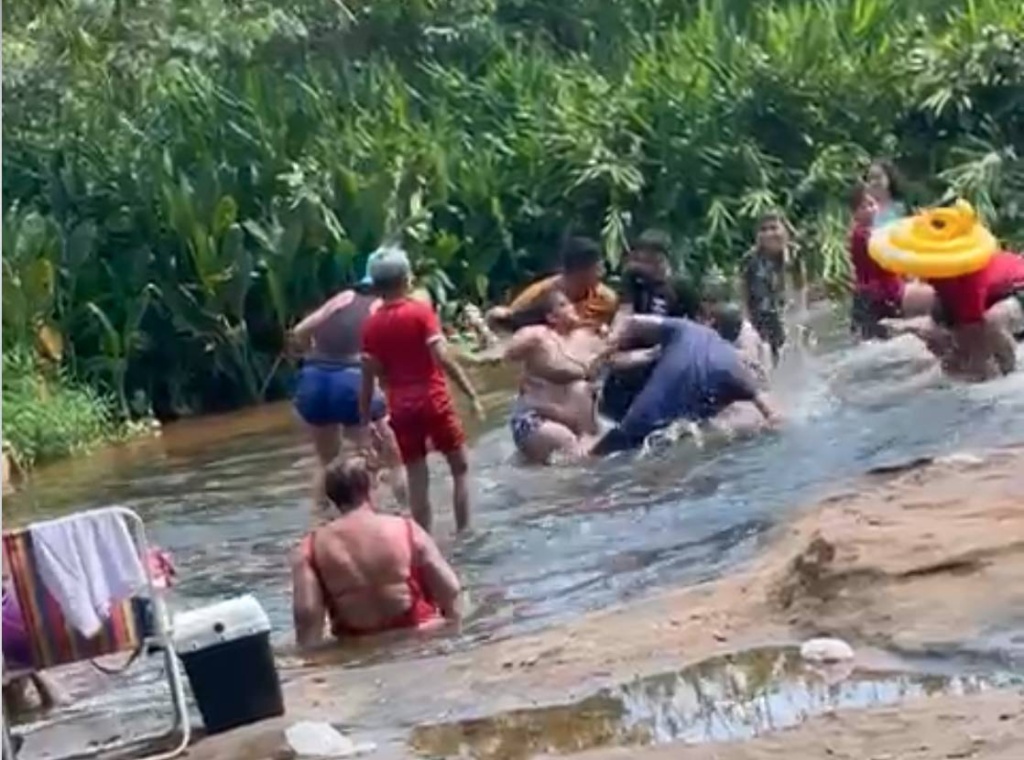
(162, 636)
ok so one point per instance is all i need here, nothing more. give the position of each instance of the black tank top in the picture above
(338, 338)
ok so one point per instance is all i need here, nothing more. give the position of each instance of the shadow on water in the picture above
(229, 496)
(728, 698)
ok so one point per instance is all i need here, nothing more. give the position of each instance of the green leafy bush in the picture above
(46, 415)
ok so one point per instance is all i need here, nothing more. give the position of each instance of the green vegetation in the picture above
(183, 180)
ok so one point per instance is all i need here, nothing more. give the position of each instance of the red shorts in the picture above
(437, 425)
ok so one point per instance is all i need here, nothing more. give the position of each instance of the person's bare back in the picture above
(367, 572)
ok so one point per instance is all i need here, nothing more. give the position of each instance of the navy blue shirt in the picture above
(698, 374)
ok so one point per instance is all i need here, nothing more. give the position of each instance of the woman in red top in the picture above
(367, 572)
(878, 295)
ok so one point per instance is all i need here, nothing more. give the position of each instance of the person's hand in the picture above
(478, 409)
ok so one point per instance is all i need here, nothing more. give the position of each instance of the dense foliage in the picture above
(182, 181)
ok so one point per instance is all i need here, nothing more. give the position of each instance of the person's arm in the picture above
(302, 334)
(371, 370)
(308, 606)
(439, 350)
(442, 585)
(638, 357)
(797, 273)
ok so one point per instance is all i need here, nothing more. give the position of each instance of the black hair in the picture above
(727, 319)
(685, 298)
(897, 184)
(347, 482)
(579, 253)
(656, 241)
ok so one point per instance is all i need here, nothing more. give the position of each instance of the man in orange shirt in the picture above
(580, 280)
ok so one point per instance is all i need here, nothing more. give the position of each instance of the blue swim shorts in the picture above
(329, 395)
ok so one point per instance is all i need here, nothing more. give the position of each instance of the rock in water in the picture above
(826, 650)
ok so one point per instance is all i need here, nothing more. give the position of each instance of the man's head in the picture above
(390, 271)
(347, 482)
(863, 205)
(685, 298)
(726, 318)
(651, 255)
(582, 264)
(715, 290)
(772, 233)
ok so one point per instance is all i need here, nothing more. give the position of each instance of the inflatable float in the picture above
(936, 244)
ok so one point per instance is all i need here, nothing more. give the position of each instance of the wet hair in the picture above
(715, 290)
(685, 298)
(536, 313)
(897, 185)
(727, 319)
(347, 482)
(580, 253)
(857, 194)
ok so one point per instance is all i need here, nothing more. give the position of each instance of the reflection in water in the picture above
(726, 698)
(229, 497)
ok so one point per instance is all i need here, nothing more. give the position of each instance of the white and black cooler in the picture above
(230, 664)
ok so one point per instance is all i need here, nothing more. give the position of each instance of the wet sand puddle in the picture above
(229, 498)
(729, 698)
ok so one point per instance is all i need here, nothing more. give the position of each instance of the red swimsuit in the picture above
(421, 609)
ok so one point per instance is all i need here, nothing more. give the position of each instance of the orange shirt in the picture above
(596, 307)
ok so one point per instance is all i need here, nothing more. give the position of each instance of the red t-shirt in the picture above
(965, 299)
(879, 285)
(398, 335)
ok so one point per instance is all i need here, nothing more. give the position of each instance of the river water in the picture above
(229, 496)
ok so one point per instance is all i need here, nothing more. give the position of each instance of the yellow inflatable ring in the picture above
(936, 244)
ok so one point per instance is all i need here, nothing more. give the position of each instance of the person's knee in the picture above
(458, 462)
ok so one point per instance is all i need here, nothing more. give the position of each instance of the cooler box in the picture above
(226, 651)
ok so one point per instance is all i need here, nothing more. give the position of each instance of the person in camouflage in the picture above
(765, 274)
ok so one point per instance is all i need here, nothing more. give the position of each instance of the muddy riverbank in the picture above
(919, 568)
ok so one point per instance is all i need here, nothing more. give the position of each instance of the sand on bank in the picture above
(929, 558)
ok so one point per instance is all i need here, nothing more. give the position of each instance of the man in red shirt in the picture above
(404, 347)
(977, 317)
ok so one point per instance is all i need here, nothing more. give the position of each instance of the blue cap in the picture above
(367, 278)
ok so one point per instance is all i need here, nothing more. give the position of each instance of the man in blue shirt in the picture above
(697, 375)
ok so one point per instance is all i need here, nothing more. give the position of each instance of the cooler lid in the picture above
(219, 623)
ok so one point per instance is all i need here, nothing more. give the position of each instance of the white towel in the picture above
(88, 563)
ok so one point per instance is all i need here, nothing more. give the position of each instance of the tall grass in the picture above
(188, 178)
(47, 415)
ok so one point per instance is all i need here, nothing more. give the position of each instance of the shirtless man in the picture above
(367, 572)
(580, 279)
(556, 410)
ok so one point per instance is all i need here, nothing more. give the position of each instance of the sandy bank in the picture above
(925, 559)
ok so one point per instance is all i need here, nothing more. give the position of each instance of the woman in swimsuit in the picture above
(327, 395)
(556, 410)
(367, 572)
